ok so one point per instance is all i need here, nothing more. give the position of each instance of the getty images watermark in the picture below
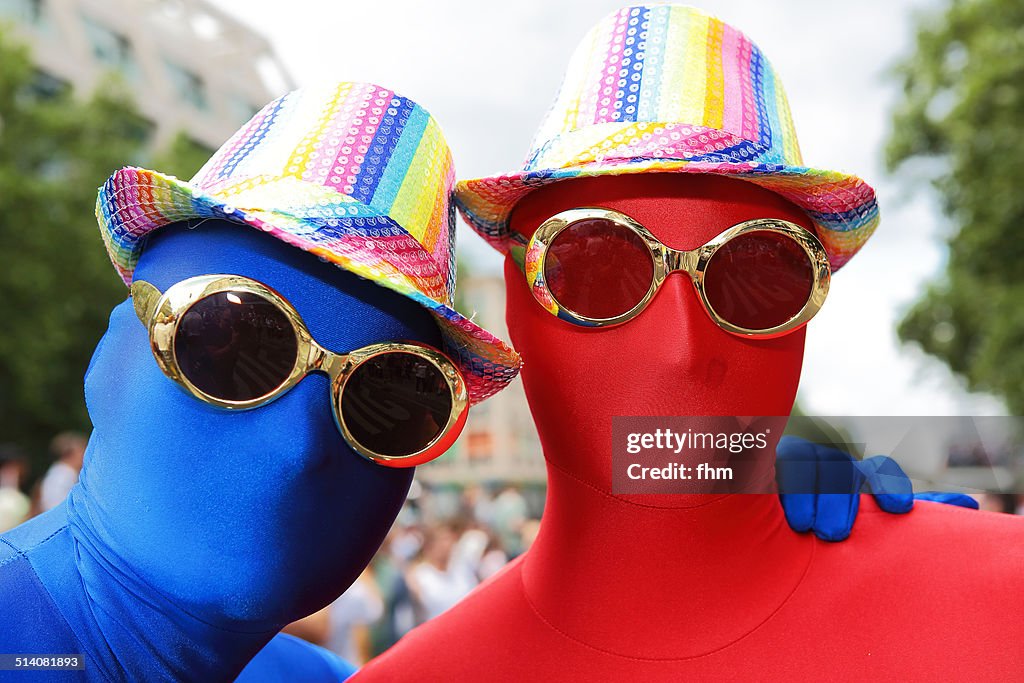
(735, 454)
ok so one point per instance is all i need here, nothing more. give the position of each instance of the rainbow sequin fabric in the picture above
(351, 172)
(667, 88)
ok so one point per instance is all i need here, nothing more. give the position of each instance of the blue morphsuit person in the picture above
(196, 533)
(257, 409)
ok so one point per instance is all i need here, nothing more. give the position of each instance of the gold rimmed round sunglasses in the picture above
(235, 343)
(596, 267)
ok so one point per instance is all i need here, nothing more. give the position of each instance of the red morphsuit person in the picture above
(705, 586)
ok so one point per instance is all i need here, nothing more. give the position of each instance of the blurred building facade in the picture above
(500, 442)
(193, 69)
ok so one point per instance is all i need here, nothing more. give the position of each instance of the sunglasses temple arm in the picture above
(144, 298)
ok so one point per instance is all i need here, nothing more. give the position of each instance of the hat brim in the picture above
(134, 202)
(842, 207)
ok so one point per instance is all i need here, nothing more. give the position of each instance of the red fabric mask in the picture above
(672, 359)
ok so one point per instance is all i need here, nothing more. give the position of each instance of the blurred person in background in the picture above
(509, 512)
(478, 503)
(994, 501)
(350, 618)
(14, 504)
(529, 533)
(400, 549)
(68, 448)
(494, 557)
(447, 569)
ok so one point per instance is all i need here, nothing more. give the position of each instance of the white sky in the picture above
(488, 71)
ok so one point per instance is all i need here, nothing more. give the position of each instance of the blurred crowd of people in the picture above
(16, 504)
(445, 542)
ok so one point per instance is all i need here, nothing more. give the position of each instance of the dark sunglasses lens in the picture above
(235, 346)
(396, 404)
(759, 280)
(598, 269)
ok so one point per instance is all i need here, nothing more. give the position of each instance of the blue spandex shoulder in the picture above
(32, 624)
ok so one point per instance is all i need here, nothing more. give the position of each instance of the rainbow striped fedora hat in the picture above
(351, 172)
(669, 89)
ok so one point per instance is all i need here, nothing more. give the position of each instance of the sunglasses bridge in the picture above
(679, 260)
(322, 360)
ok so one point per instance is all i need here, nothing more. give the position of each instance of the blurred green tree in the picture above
(962, 116)
(56, 283)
